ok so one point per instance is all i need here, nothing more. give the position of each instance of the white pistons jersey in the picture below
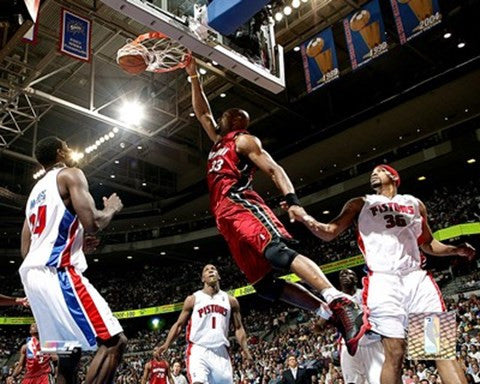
(56, 233)
(389, 232)
(210, 320)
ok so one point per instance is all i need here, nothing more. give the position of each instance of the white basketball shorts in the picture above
(366, 366)
(208, 365)
(67, 307)
(390, 298)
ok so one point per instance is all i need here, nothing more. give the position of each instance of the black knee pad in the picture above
(270, 288)
(279, 255)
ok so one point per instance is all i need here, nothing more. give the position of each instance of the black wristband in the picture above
(292, 199)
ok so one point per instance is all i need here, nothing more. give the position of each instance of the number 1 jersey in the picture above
(56, 233)
(210, 320)
(389, 232)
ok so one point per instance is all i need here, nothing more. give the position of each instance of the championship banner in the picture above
(320, 60)
(365, 34)
(335, 266)
(75, 36)
(413, 17)
(31, 35)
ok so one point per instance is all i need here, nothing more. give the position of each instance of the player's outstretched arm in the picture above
(20, 365)
(92, 219)
(146, 373)
(25, 239)
(329, 231)
(179, 324)
(9, 300)
(431, 246)
(240, 333)
(200, 104)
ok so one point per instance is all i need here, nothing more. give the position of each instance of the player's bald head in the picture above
(233, 119)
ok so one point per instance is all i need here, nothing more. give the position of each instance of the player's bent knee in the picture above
(279, 255)
(270, 288)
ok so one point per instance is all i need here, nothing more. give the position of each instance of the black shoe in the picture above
(350, 320)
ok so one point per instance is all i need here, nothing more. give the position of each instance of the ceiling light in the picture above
(115, 130)
(196, 248)
(471, 161)
(95, 260)
(214, 62)
(203, 71)
(76, 156)
(144, 184)
(296, 49)
(163, 253)
(421, 178)
(296, 3)
(129, 257)
(418, 130)
(278, 16)
(12, 261)
(122, 145)
(445, 118)
(326, 212)
(461, 44)
(192, 114)
(102, 140)
(304, 1)
(334, 165)
(117, 161)
(107, 136)
(112, 176)
(139, 147)
(358, 154)
(374, 149)
(132, 112)
(111, 135)
(222, 95)
(97, 142)
(447, 35)
(94, 147)
(466, 110)
(287, 10)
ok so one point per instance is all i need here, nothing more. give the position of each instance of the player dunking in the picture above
(391, 227)
(65, 305)
(157, 370)
(38, 367)
(208, 313)
(256, 238)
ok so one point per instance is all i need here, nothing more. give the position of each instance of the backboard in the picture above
(263, 67)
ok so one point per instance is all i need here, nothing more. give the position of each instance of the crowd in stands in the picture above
(280, 331)
(123, 289)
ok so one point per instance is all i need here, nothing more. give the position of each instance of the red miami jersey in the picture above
(244, 220)
(226, 171)
(37, 364)
(158, 372)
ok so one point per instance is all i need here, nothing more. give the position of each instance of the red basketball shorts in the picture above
(249, 225)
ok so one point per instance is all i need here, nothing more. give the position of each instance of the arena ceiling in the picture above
(410, 92)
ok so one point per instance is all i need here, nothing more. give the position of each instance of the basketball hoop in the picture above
(153, 52)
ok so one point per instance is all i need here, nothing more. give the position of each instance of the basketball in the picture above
(133, 64)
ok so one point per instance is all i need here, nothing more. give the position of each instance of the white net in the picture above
(160, 53)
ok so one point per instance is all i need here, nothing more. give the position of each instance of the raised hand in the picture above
(113, 202)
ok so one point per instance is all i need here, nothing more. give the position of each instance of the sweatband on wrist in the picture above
(292, 199)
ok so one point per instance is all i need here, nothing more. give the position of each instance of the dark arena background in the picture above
(402, 94)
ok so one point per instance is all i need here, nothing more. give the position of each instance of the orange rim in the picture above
(161, 36)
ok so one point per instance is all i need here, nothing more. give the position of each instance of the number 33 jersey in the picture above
(389, 232)
(56, 233)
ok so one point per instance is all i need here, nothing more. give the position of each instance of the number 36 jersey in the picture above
(389, 232)
(56, 233)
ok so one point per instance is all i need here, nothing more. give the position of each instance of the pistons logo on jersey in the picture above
(394, 214)
(211, 309)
